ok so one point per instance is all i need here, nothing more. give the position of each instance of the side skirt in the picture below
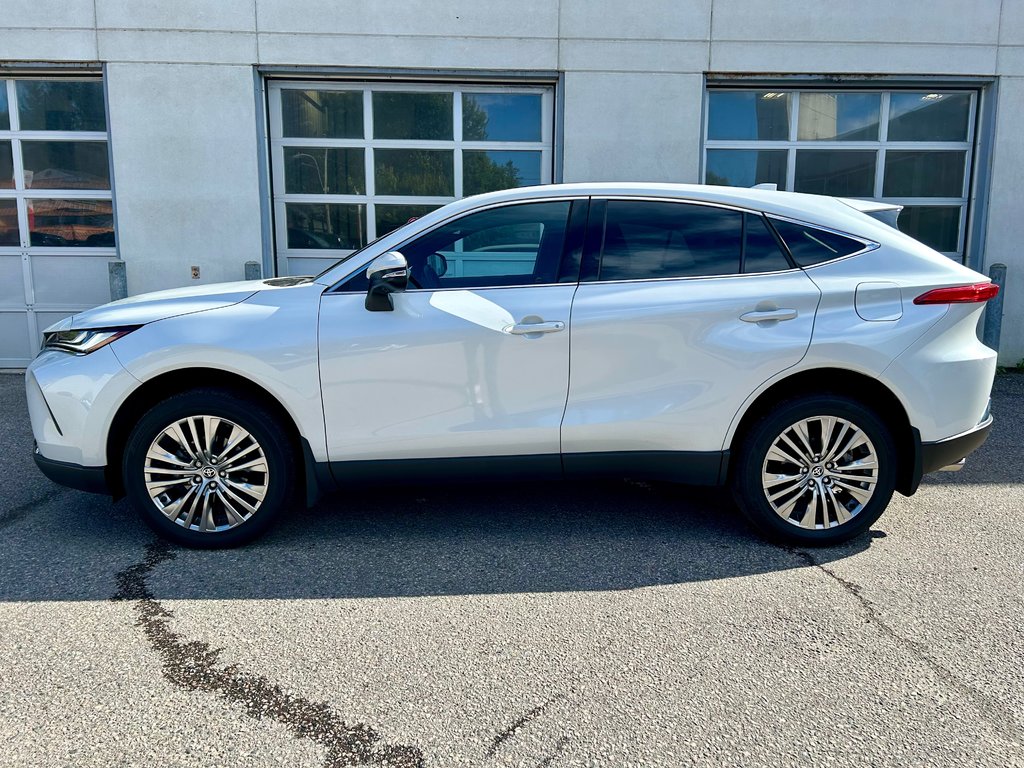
(688, 467)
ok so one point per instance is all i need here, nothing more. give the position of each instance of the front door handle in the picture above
(769, 315)
(528, 329)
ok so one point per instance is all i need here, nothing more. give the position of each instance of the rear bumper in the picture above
(91, 479)
(942, 453)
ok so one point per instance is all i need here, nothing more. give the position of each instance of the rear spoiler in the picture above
(887, 213)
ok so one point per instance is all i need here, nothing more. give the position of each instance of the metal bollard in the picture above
(994, 309)
(118, 280)
(252, 270)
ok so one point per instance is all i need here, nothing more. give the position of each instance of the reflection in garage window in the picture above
(908, 147)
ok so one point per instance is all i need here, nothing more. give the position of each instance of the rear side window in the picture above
(761, 252)
(647, 240)
(810, 245)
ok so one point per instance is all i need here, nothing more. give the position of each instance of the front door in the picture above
(474, 359)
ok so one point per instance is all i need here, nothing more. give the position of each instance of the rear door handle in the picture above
(526, 329)
(769, 315)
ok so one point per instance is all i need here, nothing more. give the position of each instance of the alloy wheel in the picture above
(206, 473)
(820, 472)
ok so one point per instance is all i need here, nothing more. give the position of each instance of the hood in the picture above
(149, 307)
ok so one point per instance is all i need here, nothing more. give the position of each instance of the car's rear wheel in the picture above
(815, 470)
(207, 468)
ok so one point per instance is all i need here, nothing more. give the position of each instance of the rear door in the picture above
(683, 310)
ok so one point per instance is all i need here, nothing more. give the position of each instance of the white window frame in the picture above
(881, 146)
(370, 199)
(22, 195)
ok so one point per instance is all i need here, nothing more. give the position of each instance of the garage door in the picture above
(56, 211)
(353, 161)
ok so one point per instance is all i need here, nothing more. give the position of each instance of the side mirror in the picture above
(387, 274)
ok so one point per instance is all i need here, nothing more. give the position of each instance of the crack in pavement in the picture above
(989, 707)
(192, 666)
(509, 732)
(559, 746)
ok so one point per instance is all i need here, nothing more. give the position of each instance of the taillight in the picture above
(959, 294)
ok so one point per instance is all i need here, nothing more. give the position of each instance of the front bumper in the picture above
(91, 479)
(943, 453)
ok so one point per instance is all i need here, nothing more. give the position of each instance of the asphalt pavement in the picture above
(613, 624)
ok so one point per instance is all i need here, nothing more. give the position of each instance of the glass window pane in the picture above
(9, 223)
(924, 174)
(762, 115)
(5, 118)
(326, 225)
(492, 170)
(646, 240)
(88, 223)
(937, 226)
(511, 245)
(61, 105)
(746, 167)
(810, 245)
(423, 172)
(839, 116)
(929, 116)
(66, 164)
(322, 114)
(6, 166)
(391, 217)
(761, 252)
(419, 116)
(324, 171)
(838, 172)
(501, 117)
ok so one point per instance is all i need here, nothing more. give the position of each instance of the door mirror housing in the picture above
(388, 274)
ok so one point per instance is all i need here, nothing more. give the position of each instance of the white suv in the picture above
(791, 346)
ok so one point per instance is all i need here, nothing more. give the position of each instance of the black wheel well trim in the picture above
(164, 385)
(839, 381)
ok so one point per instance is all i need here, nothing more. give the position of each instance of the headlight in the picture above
(85, 341)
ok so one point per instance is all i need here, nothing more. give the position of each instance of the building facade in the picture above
(171, 143)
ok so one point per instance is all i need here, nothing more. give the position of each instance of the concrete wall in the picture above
(183, 112)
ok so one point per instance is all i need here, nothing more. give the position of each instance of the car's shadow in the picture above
(402, 542)
(409, 541)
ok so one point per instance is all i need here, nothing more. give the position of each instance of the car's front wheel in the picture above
(815, 470)
(207, 468)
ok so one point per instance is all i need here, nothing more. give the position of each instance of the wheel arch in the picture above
(858, 386)
(160, 387)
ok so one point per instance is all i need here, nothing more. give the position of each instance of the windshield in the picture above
(343, 259)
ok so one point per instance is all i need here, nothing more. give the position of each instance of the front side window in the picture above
(354, 161)
(504, 246)
(908, 147)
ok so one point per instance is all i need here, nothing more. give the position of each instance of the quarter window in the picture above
(908, 147)
(810, 245)
(354, 161)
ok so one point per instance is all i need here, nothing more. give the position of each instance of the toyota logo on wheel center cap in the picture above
(818, 471)
(209, 472)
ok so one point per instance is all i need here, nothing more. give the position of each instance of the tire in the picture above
(215, 504)
(848, 490)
